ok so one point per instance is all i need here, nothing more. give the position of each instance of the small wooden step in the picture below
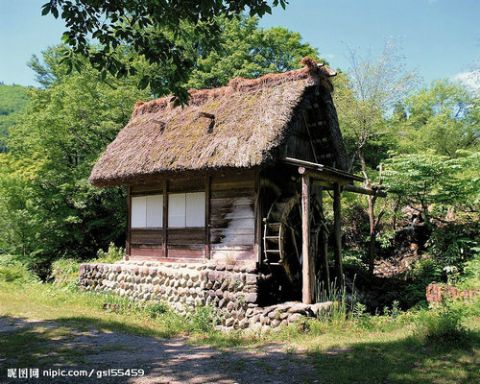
(274, 225)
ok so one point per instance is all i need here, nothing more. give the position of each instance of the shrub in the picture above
(453, 244)
(13, 270)
(443, 325)
(65, 273)
(471, 276)
(112, 255)
(202, 319)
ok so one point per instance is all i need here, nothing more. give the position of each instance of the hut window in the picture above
(147, 211)
(186, 210)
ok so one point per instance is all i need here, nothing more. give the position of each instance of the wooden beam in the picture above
(337, 225)
(207, 216)
(364, 191)
(351, 188)
(306, 270)
(320, 169)
(165, 218)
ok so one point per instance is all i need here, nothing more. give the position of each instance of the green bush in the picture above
(112, 254)
(65, 273)
(453, 244)
(443, 325)
(202, 319)
(13, 270)
(471, 274)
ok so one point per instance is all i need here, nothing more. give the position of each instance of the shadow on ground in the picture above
(84, 343)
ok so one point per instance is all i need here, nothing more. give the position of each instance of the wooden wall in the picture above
(232, 216)
(230, 228)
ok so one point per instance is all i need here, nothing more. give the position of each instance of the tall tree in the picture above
(373, 87)
(443, 117)
(246, 50)
(167, 34)
(47, 207)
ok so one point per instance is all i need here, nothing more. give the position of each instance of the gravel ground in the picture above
(163, 360)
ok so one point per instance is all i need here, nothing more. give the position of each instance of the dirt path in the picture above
(164, 360)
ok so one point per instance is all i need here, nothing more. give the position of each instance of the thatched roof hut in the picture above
(237, 176)
(236, 126)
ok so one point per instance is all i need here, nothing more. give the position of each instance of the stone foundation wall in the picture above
(231, 290)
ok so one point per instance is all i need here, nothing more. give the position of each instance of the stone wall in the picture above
(436, 293)
(231, 290)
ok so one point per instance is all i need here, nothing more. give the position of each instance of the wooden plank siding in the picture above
(230, 221)
(232, 216)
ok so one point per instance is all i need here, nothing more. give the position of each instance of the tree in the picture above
(47, 207)
(446, 193)
(443, 118)
(369, 91)
(245, 50)
(13, 99)
(171, 34)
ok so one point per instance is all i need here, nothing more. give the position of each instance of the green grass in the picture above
(405, 348)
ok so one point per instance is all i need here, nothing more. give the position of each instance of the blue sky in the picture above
(438, 38)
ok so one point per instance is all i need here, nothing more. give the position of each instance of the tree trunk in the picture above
(372, 247)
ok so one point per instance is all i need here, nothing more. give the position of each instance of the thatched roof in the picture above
(236, 126)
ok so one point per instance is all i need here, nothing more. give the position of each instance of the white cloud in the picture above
(471, 80)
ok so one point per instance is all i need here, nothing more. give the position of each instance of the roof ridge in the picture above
(311, 70)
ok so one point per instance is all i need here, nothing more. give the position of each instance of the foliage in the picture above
(13, 99)
(245, 50)
(48, 208)
(65, 271)
(471, 273)
(451, 245)
(442, 118)
(426, 180)
(443, 324)
(112, 254)
(202, 319)
(14, 271)
(165, 34)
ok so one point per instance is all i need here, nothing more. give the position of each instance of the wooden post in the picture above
(337, 225)
(306, 270)
(129, 223)
(207, 217)
(165, 218)
(324, 245)
(258, 219)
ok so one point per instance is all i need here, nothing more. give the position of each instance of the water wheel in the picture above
(282, 239)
